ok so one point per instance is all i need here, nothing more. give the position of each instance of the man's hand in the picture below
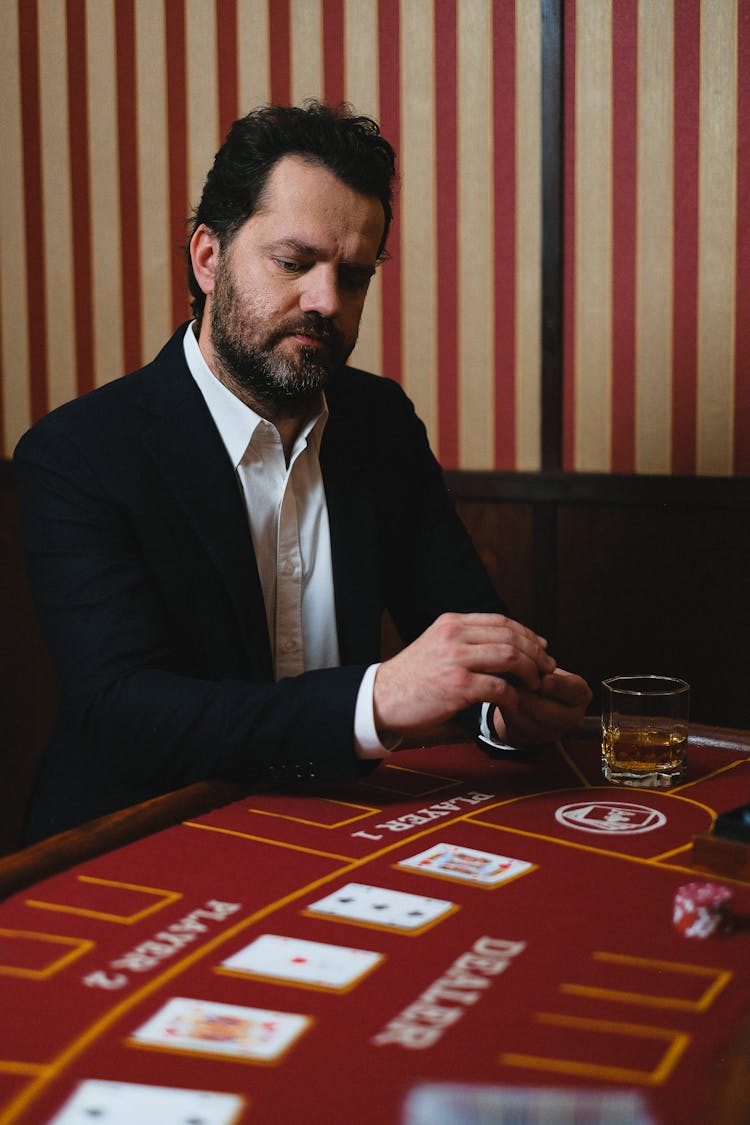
(558, 706)
(458, 661)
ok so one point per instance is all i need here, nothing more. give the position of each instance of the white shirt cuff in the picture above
(367, 742)
(487, 732)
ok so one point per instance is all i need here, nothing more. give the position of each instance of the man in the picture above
(212, 540)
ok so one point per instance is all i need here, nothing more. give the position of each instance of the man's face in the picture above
(289, 288)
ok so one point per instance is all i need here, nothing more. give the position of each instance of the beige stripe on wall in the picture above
(654, 240)
(153, 177)
(361, 90)
(202, 91)
(56, 202)
(593, 235)
(306, 33)
(253, 63)
(418, 210)
(476, 353)
(105, 188)
(716, 236)
(528, 236)
(16, 411)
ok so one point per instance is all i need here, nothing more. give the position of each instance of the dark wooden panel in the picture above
(659, 589)
(504, 536)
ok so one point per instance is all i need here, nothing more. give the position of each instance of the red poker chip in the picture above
(701, 910)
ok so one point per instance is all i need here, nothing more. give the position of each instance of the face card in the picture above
(449, 861)
(378, 906)
(123, 1103)
(222, 1029)
(303, 962)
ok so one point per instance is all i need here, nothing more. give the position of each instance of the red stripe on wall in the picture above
(685, 293)
(504, 145)
(28, 34)
(127, 95)
(389, 62)
(742, 295)
(333, 51)
(624, 202)
(279, 43)
(226, 58)
(569, 213)
(179, 204)
(78, 143)
(446, 159)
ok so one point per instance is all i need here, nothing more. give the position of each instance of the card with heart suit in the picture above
(451, 861)
(124, 1103)
(296, 961)
(222, 1029)
(379, 906)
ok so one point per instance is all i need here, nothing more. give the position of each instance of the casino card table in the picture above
(319, 955)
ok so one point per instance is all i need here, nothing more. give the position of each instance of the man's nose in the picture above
(321, 292)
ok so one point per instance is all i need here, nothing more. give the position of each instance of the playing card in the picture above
(459, 1104)
(303, 962)
(378, 906)
(222, 1029)
(450, 861)
(125, 1103)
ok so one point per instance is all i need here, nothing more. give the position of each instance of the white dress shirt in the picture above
(288, 518)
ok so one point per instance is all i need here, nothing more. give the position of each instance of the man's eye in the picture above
(356, 282)
(287, 267)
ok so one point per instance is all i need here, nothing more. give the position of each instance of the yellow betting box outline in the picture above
(364, 811)
(449, 782)
(166, 898)
(718, 980)
(678, 1042)
(77, 948)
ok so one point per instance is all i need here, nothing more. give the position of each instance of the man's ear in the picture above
(204, 250)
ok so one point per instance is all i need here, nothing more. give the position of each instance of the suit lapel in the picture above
(182, 439)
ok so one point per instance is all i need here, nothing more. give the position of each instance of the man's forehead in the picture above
(302, 187)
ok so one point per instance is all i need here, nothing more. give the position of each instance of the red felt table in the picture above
(596, 987)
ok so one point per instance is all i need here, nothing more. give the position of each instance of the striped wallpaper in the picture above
(111, 111)
(657, 244)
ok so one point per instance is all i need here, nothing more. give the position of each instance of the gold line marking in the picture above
(264, 840)
(572, 765)
(28, 1069)
(365, 811)
(720, 978)
(166, 897)
(678, 1042)
(80, 946)
(707, 777)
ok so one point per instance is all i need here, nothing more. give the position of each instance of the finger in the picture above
(566, 687)
(526, 663)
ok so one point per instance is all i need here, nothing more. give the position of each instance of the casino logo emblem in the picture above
(610, 818)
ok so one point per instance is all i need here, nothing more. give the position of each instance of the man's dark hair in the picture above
(348, 146)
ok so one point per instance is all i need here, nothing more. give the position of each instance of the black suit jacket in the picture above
(142, 567)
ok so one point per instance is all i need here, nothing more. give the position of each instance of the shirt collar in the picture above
(235, 421)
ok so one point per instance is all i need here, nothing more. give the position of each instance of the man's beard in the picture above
(252, 360)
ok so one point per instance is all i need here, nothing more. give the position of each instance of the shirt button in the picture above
(288, 645)
(289, 569)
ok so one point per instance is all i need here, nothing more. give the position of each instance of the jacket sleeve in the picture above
(134, 707)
